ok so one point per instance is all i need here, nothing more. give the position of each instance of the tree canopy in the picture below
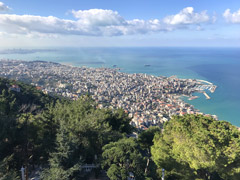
(83, 130)
(123, 159)
(198, 146)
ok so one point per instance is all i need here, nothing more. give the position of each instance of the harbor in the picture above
(206, 95)
(203, 87)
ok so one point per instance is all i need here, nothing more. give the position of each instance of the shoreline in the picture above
(224, 102)
(148, 99)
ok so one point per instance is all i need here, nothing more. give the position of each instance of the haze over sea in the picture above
(220, 66)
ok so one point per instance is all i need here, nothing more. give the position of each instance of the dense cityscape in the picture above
(149, 100)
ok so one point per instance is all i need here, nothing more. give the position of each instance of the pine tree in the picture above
(63, 163)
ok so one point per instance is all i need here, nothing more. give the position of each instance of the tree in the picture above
(82, 131)
(12, 102)
(47, 127)
(122, 158)
(8, 129)
(64, 164)
(145, 140)
(7, 103)
(197, 146)
(27, 138)
(119, 121)
(88, 124)
(37, 129)
(19, 132)
(5, 172)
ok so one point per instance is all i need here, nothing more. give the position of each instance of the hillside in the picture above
(17, 97)
(77, 140)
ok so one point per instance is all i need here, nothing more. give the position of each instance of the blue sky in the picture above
(120, 23)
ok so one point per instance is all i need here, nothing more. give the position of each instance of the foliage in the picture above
(119, 121)
(64, 163)
(29, 99)
(5, 172)
(122, 158)
(199, 147)
(145, 139)
(18, 131)
(37, 129)
(83, 130)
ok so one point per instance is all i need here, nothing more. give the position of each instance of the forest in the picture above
(55, 138)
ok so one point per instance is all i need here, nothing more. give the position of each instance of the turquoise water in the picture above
(218, 65)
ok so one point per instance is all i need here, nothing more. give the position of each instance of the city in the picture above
(149, 100)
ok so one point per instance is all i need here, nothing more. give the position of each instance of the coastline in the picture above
(217, 65)
(149, 100)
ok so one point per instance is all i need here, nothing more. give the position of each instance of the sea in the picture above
(221, 66)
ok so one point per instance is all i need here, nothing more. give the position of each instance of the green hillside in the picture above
(17, 97)
(63, 137)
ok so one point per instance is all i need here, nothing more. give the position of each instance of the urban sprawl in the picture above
(149, 100)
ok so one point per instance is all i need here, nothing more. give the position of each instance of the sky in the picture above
(125, 23)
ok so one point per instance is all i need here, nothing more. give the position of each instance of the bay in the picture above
(220, 66)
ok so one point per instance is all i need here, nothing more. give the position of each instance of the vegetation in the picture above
(62, 136)
(145, 141)
(200, 147)
(29, 99)
(123, 158)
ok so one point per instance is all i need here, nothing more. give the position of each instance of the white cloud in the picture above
(97, 22)
(3, 7)
(24, 24)
(232, 17)
(99, 17)
(187, 16)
